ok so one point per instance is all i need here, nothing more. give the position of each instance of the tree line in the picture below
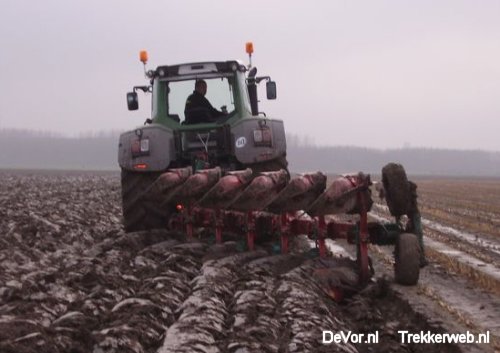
(98, 151)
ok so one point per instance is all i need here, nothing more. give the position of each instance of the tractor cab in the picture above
(204, 114)
(231, 90)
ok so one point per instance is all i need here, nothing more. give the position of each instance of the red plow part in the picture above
(341, 196)
(226, 190)
(261, 192)
(169, 180)
(299, 193)
(246, 204)
(198, 185)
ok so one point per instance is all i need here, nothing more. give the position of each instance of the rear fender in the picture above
(160, 153)
(245, 149)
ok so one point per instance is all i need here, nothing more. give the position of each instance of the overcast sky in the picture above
(366, 73)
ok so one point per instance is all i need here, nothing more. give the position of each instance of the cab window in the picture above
(219, 94)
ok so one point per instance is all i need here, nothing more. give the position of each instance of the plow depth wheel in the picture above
(140, 213)
(397, 189)
(407, 265)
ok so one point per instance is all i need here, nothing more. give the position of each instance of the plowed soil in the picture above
(72, 281)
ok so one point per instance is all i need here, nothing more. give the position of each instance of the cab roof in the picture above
(200, 68)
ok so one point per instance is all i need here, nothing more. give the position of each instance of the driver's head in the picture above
(201, 87)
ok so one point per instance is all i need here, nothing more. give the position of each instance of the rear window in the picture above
(219, 94)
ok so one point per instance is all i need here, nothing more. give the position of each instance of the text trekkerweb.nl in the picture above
(406, 337)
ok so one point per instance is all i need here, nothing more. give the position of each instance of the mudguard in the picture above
(245, 149)
(161, 149)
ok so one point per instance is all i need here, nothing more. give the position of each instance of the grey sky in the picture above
(372, 73)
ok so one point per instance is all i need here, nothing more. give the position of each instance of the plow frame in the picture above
(289, 224)
(268, 205)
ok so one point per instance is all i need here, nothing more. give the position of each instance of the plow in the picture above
(269, 206)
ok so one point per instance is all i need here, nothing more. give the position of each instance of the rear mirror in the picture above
(132, 101)
(271, 89)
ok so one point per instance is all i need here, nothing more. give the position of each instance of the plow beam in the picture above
(344, 230)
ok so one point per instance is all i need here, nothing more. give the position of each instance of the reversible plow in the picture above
(270, 204)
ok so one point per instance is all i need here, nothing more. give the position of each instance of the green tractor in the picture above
(175, 137)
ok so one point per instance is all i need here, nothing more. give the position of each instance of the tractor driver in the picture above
(198, 109)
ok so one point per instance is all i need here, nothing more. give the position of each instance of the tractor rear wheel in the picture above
(397, 189)
(140, 212)
(407, 264)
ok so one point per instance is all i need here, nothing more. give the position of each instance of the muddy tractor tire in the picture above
(139, 212)
(407, 256)
(397, 189)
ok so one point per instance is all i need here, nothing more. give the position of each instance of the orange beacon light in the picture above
(143, 56)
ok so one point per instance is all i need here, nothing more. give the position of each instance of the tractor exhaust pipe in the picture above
(252, 91)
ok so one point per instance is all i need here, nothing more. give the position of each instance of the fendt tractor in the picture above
(193, 167)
